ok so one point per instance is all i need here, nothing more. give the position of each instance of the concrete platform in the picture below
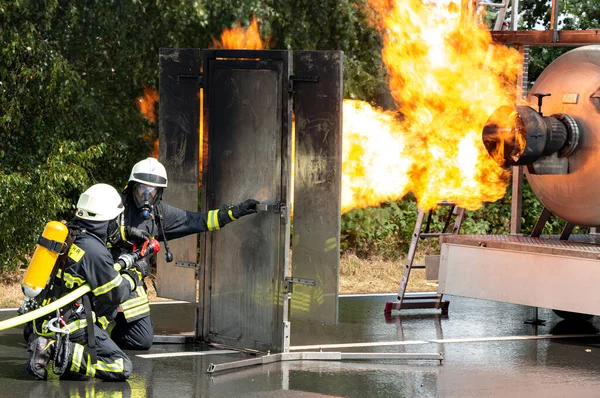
(488, 351)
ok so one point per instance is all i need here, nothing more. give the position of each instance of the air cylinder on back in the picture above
(44, 258)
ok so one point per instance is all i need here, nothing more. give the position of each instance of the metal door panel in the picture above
(317, 184)
(247, 110)
(178, 151)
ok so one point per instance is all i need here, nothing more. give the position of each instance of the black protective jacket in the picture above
(176, 223)
(89, 261)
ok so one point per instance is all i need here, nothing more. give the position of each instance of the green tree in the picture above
(69, 76)
(573, 15)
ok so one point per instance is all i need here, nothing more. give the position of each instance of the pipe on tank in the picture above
(520, 135)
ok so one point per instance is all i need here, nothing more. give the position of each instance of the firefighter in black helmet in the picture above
(146, 217)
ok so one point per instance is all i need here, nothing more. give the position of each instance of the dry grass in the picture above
(10, 289)
(377, 275)
(374, 275)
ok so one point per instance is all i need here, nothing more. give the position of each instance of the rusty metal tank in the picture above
(557, 136)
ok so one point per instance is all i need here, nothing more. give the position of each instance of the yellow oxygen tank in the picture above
(44, 258)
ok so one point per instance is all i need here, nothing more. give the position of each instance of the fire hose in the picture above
(55, 305)
(149, 247)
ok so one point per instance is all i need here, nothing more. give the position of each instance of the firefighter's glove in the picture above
(244, 208)
(142, 266)
(136, 234)
(217, 219)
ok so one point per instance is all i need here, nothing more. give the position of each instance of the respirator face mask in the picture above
(145, 198)
(114, 231)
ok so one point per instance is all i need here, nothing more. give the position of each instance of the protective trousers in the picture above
(134, 335)
(111, 365)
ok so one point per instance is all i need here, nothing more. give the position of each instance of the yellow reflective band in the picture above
(110, 327)
(76, 325)
(139, 274)
(91, 370)
(104, 322)
(117, 266)
(79, 323)
(230, 212)
(123, 237)
(212, 220)
(134, 302)
(130, 280)
(72, 281)
(209, 220)
(108, 286)
(216, 219)
(141, 291)
(75, 253)
(59, 273)
(117, 366)
(77, 357)
(137, 311)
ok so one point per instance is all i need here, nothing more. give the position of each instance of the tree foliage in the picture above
(70, 73)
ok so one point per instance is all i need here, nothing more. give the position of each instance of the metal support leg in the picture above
(566, 232)
(322, 356)
(541, 223)
(534, 318)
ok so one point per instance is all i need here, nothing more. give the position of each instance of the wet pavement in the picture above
(488, 352)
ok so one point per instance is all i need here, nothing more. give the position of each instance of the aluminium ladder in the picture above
(421, 301)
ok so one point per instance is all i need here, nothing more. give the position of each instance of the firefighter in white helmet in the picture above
(146, 217)
(81, 347)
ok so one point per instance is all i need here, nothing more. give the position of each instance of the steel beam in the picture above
(567, 38)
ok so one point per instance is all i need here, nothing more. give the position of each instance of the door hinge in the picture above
(303, 78)
(187, 264)
(275, 207)
(288, 283)
(198, 77)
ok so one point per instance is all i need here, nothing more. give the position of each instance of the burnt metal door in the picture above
(247, 123)
(178, 134)
(318, 96)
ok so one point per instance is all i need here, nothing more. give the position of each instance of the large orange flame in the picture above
(146, 104)
(241, 38)
(446, 77)
(373, 165)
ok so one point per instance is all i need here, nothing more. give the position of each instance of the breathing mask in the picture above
(145, 198)
(113, 232)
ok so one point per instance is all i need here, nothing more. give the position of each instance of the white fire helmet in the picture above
(100, 202)
(149, 172)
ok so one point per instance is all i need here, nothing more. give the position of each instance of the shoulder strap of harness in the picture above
(91, 335)
(54, 287)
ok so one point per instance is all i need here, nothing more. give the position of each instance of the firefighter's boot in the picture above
(40, 350)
